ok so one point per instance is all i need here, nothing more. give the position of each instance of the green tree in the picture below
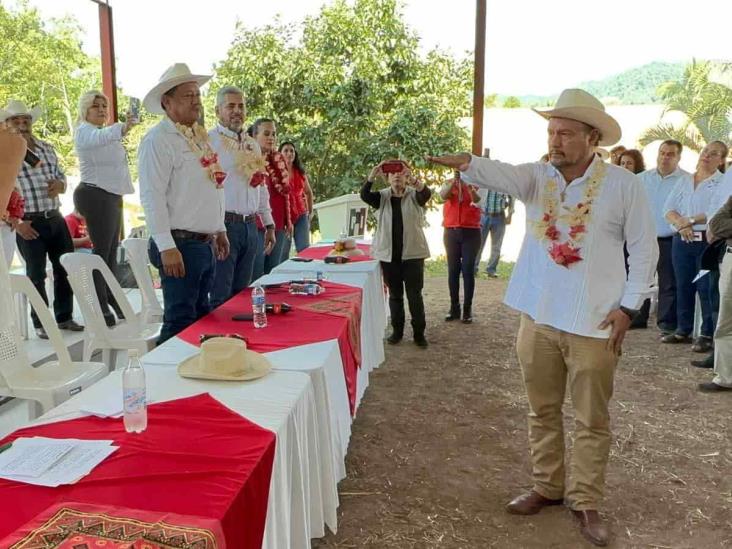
(707, 106)
(43, 64)
(349, 86)
(490, 101)
(511, 102)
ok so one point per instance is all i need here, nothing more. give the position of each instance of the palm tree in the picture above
(706, 104)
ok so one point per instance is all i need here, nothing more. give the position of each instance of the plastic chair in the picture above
(131, 333)
(136, 249)
(51, 383)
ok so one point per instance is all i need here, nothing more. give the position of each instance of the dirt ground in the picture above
(440, 445)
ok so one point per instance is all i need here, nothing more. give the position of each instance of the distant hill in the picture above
(636, 86)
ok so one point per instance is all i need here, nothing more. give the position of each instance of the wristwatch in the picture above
(692, 220)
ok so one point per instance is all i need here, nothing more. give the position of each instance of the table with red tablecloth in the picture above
(320, 252)
(334, 314)
(197, 458)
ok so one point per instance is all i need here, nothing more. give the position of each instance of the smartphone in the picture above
(31, 158)
(135, 108)
(301, 259)
(243, 316)
(392, 166)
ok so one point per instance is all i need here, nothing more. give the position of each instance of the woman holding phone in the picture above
(105, 178)
(399, 243)
(461, 219)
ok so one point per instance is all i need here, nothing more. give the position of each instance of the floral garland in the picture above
(197, 140)
(568, 251)
(246, 159)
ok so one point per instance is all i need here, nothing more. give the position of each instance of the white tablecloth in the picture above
(303, 400)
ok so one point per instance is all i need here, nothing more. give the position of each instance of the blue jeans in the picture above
(258, 268)
(235, 272)
(185, 300)
(686, 257)
(302, 232)
(280, 251)
(495, 226)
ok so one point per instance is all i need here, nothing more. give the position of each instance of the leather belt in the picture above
(190, 235)
(232, 217)
(47, 214)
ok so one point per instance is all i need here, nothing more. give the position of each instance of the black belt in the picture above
(665, 237)
(232, 217)
(190, 235)
(48, 214)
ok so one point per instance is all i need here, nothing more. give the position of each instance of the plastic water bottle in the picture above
(259, 307)
(134, 395)
(306, 288)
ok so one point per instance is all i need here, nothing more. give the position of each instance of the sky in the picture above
(533, 47)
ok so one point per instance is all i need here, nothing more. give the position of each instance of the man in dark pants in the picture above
(42, 233)
(658, 183)
(180, 190)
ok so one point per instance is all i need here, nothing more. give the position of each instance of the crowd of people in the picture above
(223, 206)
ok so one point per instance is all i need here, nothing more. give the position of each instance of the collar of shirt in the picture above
(228, 133)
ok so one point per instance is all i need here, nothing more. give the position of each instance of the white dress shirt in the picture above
(658, 188)
(723, 192)
(240, 197)
(102, 158)
(686, 200)
(576, 299)
(175, 190)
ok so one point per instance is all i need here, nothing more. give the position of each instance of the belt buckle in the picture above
(47, 214)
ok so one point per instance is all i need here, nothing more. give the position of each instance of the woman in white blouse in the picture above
(105, 177)
(686, 210)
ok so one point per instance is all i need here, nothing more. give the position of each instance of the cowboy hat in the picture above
(225, 359)
(581, 106)
(18, 108)
(175, 75)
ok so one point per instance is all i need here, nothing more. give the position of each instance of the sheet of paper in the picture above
(72, 460)
(32, 460)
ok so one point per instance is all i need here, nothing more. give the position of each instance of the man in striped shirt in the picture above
(497, 211)
(42, 233)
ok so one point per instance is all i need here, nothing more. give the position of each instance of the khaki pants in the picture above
(549, 358)
(723, 335)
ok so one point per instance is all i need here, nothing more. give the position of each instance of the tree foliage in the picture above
(511, 102)
(705, 104)
(349, 87)
(43, 64)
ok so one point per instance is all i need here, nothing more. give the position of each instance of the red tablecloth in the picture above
(334, 314)
(196, 458)
(83, 526)
(319, 252)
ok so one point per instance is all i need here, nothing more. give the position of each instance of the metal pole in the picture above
(479, 76)
(109, 70)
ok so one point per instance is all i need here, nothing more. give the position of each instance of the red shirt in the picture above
(77, 228)
(459, 211)
(298, 205)
(278, 186)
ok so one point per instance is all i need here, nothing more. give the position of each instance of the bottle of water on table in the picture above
(134, 395)
(259, 307)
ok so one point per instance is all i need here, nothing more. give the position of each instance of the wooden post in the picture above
(479, 76)
(109, 70)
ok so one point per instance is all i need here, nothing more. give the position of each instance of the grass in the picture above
(438, 267)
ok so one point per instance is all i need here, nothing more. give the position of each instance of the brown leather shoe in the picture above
(530, 503)
(592, 527)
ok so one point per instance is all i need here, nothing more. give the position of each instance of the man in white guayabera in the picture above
(570, 286)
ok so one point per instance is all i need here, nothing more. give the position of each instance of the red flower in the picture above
(564, 254)
(16, 205)
(575, 230)
(552, 233)
(219, 177)
(207, 160)
(547, 218)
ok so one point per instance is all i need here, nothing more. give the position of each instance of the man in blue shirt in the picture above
(658, 183)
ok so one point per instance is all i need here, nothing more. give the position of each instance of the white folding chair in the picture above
(131, 333)
(51, 383)
(136, 250)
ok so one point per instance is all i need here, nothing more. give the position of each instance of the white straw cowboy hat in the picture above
(225, 359)
(579, 105)
(18, 108)
(175, 75)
